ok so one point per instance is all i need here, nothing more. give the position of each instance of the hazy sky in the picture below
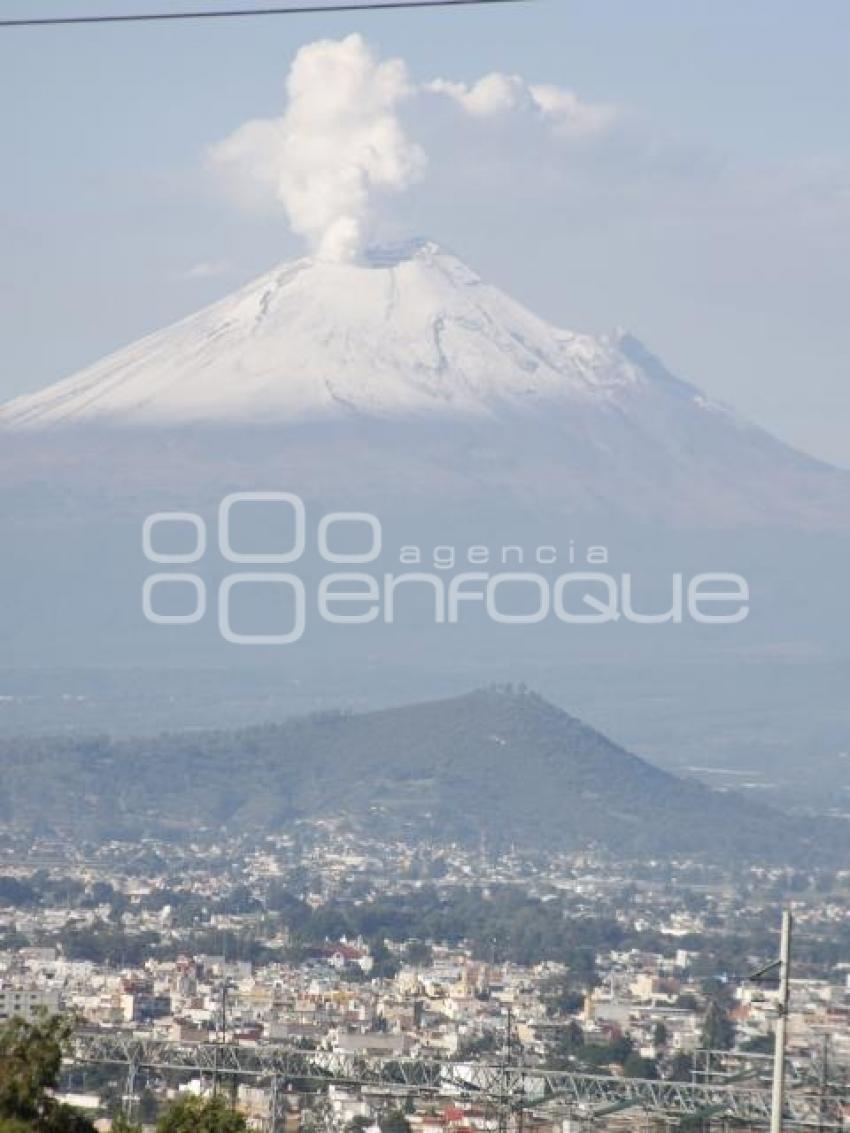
(697, 193)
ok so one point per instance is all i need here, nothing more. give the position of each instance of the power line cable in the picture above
(238, 13)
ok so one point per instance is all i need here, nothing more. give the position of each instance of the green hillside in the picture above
(500, 763)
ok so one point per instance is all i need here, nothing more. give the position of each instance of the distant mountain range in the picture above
(500, 765)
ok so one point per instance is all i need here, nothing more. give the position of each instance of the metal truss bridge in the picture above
(513, 1088)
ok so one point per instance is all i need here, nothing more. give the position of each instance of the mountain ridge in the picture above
(410, 368)
(408, 330)
(497, 762)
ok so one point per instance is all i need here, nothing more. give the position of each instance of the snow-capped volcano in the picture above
(410, 330)
(429, 380)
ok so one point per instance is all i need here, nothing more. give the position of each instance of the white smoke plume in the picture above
(339, 142)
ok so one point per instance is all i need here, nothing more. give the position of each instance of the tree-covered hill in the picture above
(500, 764)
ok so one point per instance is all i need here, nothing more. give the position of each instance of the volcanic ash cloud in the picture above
(339, 144)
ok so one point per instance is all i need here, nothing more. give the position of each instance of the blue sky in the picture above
(713, 222)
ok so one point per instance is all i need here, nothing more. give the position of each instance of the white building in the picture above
(27, 1002)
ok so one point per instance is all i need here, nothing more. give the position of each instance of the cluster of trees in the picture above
(390, 1121)
(527, 929)
(568, 1048)
(519, 928)
(105, 943)
(504, 920)
(30, 1061)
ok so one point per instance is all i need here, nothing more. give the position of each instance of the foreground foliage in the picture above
(30, 1061)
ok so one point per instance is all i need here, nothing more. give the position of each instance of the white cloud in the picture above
(492, 95)
(571, 115)
(498, 94)
(207, 269)
(341, 143)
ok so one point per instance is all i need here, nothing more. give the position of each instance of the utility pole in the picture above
(778, 1095)
(221, 1032)
(504, 1078)
(783, 967)
(824, 1080)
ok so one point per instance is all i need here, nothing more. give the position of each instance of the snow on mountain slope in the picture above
(426, 379)
(411, 331)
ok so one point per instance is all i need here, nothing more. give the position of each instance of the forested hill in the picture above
(497, 763)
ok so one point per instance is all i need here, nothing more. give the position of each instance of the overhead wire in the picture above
(347, 6)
